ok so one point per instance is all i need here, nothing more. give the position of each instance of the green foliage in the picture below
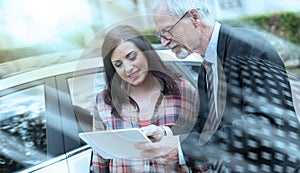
(291, 26)
(150, 35)
(285, 24)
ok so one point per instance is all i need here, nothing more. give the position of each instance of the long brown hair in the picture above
(163, 73)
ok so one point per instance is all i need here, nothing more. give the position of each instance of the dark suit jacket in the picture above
(259, 131)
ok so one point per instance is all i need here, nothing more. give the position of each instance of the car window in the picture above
(23, 129)
(83, 91)
(189, 70)
(194, 69)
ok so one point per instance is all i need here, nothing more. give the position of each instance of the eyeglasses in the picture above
(167, 34)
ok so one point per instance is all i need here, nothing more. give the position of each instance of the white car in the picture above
(43, 110)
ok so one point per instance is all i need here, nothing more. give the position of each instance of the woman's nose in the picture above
(128, 66)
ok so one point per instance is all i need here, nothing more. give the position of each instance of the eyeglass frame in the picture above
(162, 35)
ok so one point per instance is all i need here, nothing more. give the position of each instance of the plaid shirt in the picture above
(169, 110)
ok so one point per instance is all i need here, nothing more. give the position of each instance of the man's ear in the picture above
(195, 16)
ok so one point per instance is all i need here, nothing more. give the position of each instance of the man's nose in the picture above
(164, 41)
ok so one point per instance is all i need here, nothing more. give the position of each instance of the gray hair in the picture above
(179, 7)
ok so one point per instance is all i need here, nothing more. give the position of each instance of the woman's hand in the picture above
(154, 132)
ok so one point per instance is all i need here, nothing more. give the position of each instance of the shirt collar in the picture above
(211, 51)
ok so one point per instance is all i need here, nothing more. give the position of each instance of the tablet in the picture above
(115, 143)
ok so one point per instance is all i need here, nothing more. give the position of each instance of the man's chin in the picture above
(182, 54)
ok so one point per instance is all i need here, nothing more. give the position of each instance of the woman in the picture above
(141, 91)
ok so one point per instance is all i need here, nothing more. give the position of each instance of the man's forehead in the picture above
(162, 21)
(162, 16)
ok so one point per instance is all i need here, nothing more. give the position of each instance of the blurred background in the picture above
(39, 108)
(36, 33)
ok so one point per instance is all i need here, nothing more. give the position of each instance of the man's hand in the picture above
(156, 132)
(165, 150)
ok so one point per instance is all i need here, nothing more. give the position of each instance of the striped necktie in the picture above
(211, 123)
(210, 86)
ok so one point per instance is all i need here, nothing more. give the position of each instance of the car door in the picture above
(30, 125)
(77, 97)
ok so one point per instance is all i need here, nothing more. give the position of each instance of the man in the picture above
(253, 127)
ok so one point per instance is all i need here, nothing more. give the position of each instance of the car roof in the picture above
(68, 67)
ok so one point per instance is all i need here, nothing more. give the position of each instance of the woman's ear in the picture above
(195, 16)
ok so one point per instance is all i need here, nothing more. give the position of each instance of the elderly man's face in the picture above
(177, 33)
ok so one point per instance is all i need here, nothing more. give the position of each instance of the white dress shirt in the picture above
(212, 57)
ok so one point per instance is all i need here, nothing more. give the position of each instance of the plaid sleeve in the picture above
(100, 109)
(189, 102)
(100, 165)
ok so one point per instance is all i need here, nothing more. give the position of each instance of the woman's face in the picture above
(130, 63)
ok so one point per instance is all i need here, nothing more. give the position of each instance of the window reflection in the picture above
(83, 91)
(23, 129)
